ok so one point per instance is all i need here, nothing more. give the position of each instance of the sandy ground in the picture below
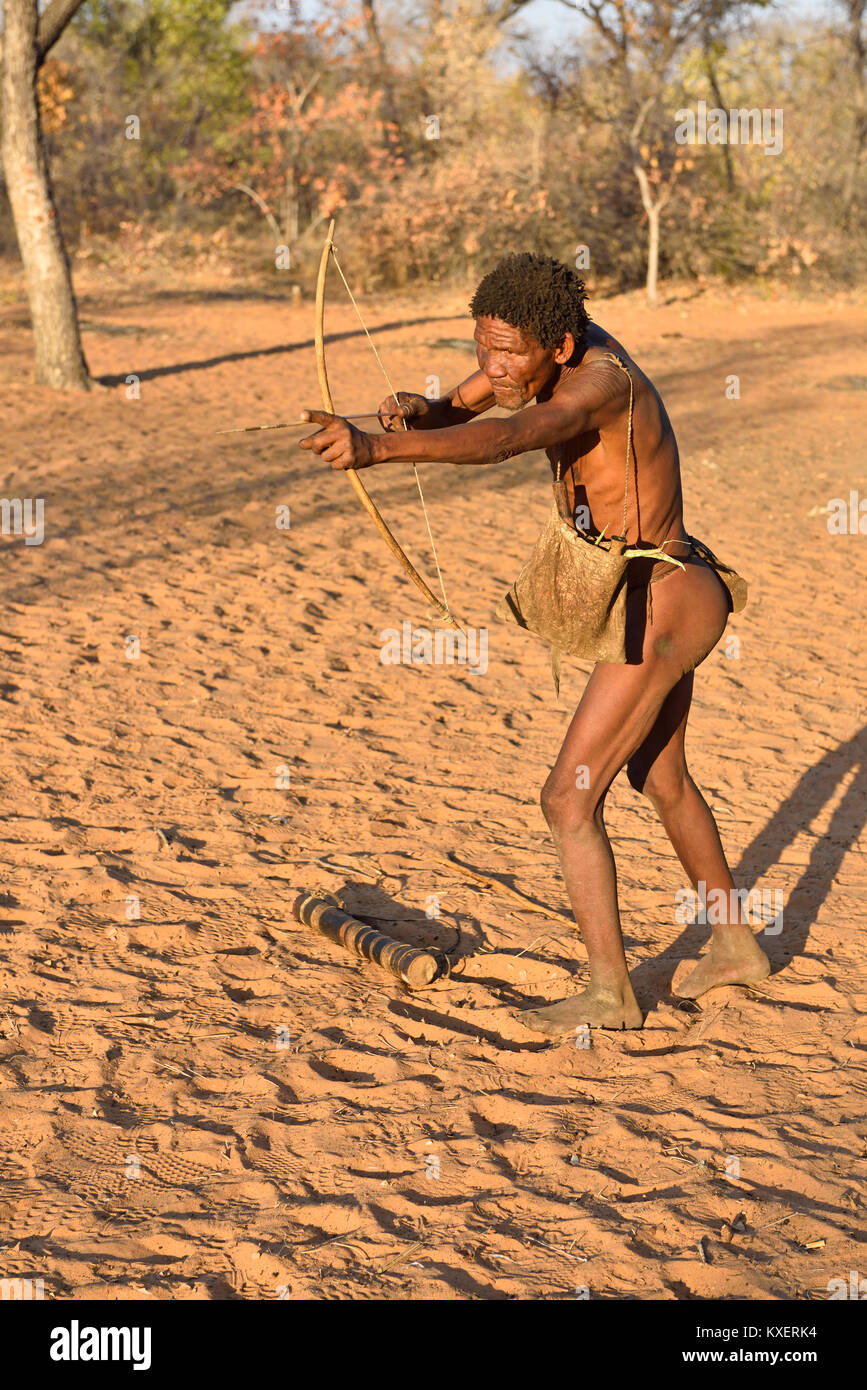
(209, 1101)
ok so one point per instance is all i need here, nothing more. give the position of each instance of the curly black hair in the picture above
(535, 294)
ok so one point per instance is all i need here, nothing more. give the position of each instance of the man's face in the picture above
(516, 365)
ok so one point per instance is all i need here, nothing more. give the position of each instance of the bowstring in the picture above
(382, 368)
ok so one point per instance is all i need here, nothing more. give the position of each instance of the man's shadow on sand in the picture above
(814, 790)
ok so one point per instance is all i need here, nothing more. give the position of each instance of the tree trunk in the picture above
(652, 252)
(713, 79)
(653, 207)
(383, 73)
(858, 50)
(60, 360)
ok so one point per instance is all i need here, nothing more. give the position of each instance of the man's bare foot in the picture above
(734, 958)
(596, 1007)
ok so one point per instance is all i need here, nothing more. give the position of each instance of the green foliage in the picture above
(178, 66)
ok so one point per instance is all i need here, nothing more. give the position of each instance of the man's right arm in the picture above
(455, 407)
(471, 397)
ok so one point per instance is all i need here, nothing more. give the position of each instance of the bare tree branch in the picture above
(507, 10)
(856, 41)
(262, 206)
(52, 24)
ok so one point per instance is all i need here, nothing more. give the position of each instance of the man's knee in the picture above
(662, 787)
(567, 806)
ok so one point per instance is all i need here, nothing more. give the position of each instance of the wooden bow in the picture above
(361, 491)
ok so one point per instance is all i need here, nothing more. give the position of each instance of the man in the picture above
(543, 360)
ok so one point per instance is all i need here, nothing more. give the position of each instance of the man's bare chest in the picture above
(591, 478)
(587, 463)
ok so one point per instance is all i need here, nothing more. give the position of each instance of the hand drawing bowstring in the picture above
(442, 607)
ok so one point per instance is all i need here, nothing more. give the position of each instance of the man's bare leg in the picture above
(616, 711)
(659, 770)
(617, 714)
(588, 868)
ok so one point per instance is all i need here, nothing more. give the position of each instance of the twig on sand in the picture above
(346, 868)
(401, 1256)
(334, 1240)
(707, 1020)
(776, 1221)
(545, 937)
(582, 1259)
(178, 1071)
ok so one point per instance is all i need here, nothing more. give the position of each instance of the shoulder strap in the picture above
(612, 357)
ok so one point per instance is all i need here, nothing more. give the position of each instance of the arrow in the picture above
(294, 424)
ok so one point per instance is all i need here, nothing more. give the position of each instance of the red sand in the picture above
(210, 1101)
